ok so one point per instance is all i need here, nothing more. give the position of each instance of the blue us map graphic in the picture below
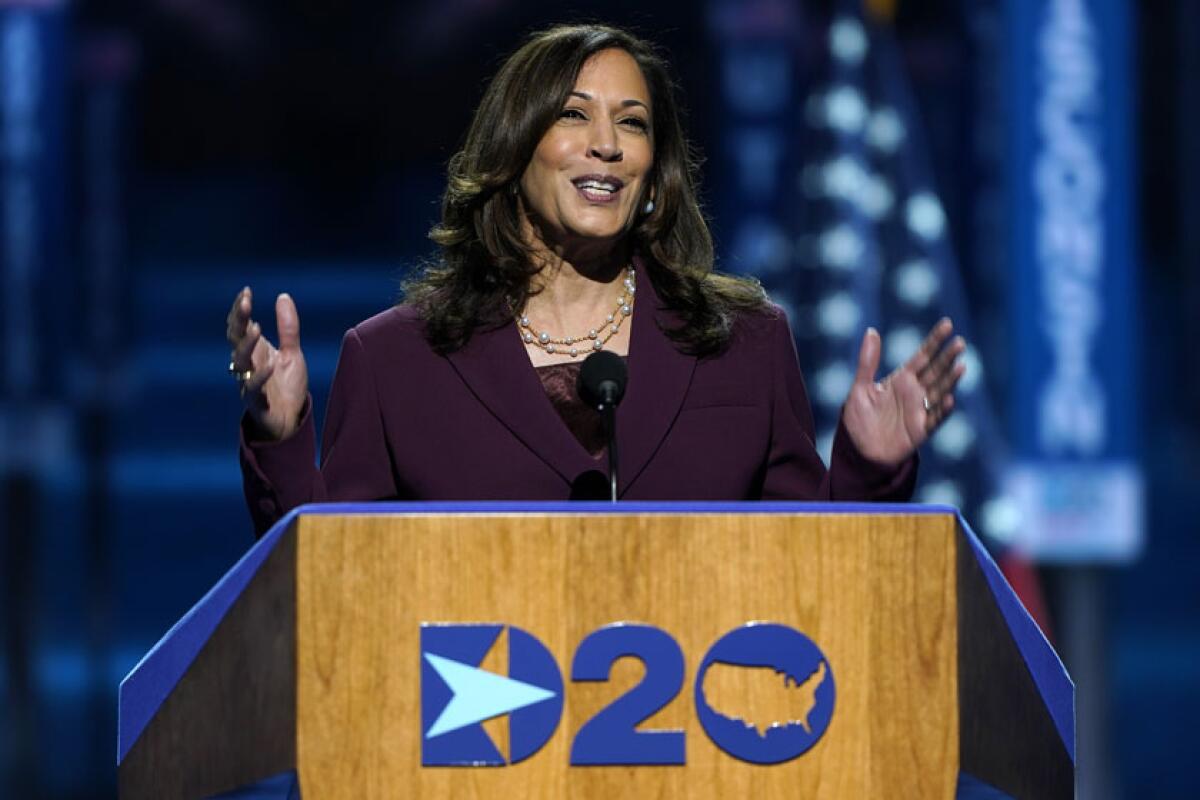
(457, 696)
(790, 679)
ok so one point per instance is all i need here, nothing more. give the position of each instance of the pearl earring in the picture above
(649, 208)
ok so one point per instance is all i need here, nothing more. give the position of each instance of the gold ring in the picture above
(240, 375)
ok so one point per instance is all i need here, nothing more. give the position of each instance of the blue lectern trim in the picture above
(1045, 667)
(149, 683)
(971, 788)
(624, 507)
(152, 679)
(284, 786)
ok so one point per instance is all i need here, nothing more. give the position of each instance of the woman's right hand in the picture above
(276, 383)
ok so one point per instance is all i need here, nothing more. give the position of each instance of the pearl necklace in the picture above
(596, 336)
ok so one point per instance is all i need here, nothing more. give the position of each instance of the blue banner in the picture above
(1075, 478)
(32, 236)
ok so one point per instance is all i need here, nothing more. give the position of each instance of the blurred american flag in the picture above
(873, 248)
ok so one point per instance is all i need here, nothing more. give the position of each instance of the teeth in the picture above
(597, 186)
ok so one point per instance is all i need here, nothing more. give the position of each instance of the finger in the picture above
(239, 302)
(929, 348)
(868, 357)
(287, 322)
(937, 392)
(938, 414)
(243, 352)
(239, 316)
(255, 383)
(947, 382)
(263, 352)
(944, 362)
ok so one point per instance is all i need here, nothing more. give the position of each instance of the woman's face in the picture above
(586, 180)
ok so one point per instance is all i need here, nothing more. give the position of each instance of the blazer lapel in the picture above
(659, 376)
(495, 367)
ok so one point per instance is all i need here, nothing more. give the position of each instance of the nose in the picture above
(604, 144)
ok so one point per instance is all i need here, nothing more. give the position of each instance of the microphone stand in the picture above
(608, 417)
(601, 385)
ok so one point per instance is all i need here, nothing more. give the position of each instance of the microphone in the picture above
(602, 380)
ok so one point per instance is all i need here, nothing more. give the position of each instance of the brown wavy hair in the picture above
(485, 264)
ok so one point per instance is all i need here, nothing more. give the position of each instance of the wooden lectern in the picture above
(317, 666)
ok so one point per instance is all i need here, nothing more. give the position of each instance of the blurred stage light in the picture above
(1001, 519)
(841, 248)
(876, 198)
(900, 344)
(915, 282)
(974, 372)
(845, 109)
(941, 493)
(924, 216)
(838, 315)
(885, 130)
(954, 438)
(848, 41)
(844, 177)
(833, 384)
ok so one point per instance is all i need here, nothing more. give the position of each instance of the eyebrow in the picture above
(624, 103)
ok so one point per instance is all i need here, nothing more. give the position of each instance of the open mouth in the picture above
(598, 188)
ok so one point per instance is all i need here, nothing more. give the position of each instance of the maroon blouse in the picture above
(561, 382)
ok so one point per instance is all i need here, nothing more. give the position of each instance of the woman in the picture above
(570, 224)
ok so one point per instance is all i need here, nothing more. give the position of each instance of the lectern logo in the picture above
(457, 695)
(764, 693)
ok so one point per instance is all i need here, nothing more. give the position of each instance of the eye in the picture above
(636, 123)
(572, 113)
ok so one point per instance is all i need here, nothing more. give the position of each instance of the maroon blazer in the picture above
(405, 423)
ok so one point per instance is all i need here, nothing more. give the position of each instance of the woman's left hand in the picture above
(889, 419)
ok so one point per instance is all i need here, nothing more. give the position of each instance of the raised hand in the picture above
(889, 419)
(274, 380)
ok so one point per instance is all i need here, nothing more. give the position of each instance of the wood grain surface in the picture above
(875, 593)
